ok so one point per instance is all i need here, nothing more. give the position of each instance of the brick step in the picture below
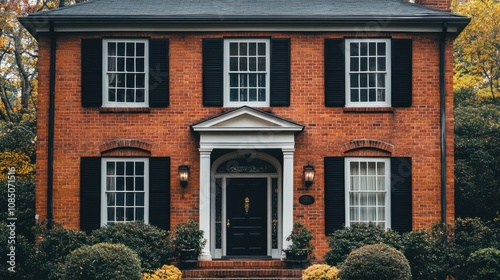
(242, 269)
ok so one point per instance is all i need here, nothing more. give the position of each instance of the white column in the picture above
(287, 194)
(205, 201)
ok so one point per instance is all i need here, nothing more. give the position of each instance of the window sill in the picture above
(368, 110)
(115, 110)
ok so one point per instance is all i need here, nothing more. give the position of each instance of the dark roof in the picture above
(220, 11)
(205, 9)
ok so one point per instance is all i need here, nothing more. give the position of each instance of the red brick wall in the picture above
(444, 5)
(413, 132)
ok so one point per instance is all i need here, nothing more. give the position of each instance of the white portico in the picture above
(246, 132)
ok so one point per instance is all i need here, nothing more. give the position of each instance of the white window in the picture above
(368, 191)
(125, 190)
(368, 75)
(246, 72)
(126, 73)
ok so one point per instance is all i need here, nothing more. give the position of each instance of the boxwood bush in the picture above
(375, 262)
(54, 244)
(102, 261)
(149, 242)
(484, 264)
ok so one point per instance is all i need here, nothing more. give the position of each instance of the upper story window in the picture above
(125, 190)
(126, 73)
(368, 72)
(246, 72)
(368, 75)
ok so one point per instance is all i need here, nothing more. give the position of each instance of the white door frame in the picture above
(221, 252)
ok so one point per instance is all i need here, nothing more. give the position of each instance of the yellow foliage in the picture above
(166, 272)
(477, 49)
(320, 272)
(21, 162)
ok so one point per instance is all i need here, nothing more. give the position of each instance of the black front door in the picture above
(246, 213)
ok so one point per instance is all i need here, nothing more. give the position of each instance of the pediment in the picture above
(247, 119)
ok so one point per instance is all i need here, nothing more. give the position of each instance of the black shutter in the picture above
(159, 192)
(213, 61)
(401, 69)
(90, 193)
(158, 73)
(91, 73)
(334, 194)
(335, 72)
(280, 72)
(401, 196)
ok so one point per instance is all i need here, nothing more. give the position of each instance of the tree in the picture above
(477, 49)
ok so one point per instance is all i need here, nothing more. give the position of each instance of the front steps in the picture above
(239, 269)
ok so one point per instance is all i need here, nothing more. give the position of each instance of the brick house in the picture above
(246, 96)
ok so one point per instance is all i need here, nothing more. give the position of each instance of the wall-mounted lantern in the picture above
(308, 175)
(184, 175)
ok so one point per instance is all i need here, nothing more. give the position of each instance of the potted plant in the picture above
(187, 242)
(299, 252)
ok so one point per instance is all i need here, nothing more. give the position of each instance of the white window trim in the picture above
(347, 177)
(227, 102)
(387, 102)
(105, 83)
(104, 212)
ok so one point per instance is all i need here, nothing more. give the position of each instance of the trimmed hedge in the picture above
(149, 242)
(101, 261)
(484, 264)
(375, 262)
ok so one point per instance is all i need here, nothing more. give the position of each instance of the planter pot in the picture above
(188, 258)
(297, 258)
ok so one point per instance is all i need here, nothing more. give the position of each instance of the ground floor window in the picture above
(368, 191)
(124, 190)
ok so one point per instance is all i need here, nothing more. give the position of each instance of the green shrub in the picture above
(320, 272)
(18, 260)
(166, 272)
(375, 262)
(101, 261)
(344, 241)
(53, 245)
(424, 254)
(188, 236)
(484, 264)
(149, 242)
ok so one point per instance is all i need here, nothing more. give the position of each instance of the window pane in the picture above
(130, 199)
(372, 80)
(139, 65)
(371, 168)
(140, 49)
(233, 49)
(233, 95)
(363, 95)
(354, 168)
(243, 48)
(380, 183)
(112, 49)
(353, 199)
(354, 64)
(252, 94)
(233, 64)
(354, 95)
(139, 183)
(372, 95)
(381, 168)
(372, 64)
(139, 214)
(363, 80)
(110, 184)
(120, 217)
(262, 64)
(381, 80)
(139, 199)
(110, 199)
(120, 184)
(372, 214)
(120, 95)
(112, 95)
(363, 49)
(120, 64)
(372, 48)
(120, 199)
(354, 183)
(111, 64)
(262, 95)
(112, 80)
(243, 80)
(354, 49)
(140, 80)
(243, 64)
(130, 95)
(130, 49)
(364, 64)
(381, 64)
(129, 181)
(252, 49)
(111, 214)
(129, 168)
(252, 64)
(262, 48)
(130, 65)
(120, 80)
(121, 49)
(262, 80)
(381, 48)
(381, 95)
(110, 168)
(130, 214)
(363, 168)
(120, 168)
(139, 168)
(243, 95)
(233, 80)
(252, 80)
